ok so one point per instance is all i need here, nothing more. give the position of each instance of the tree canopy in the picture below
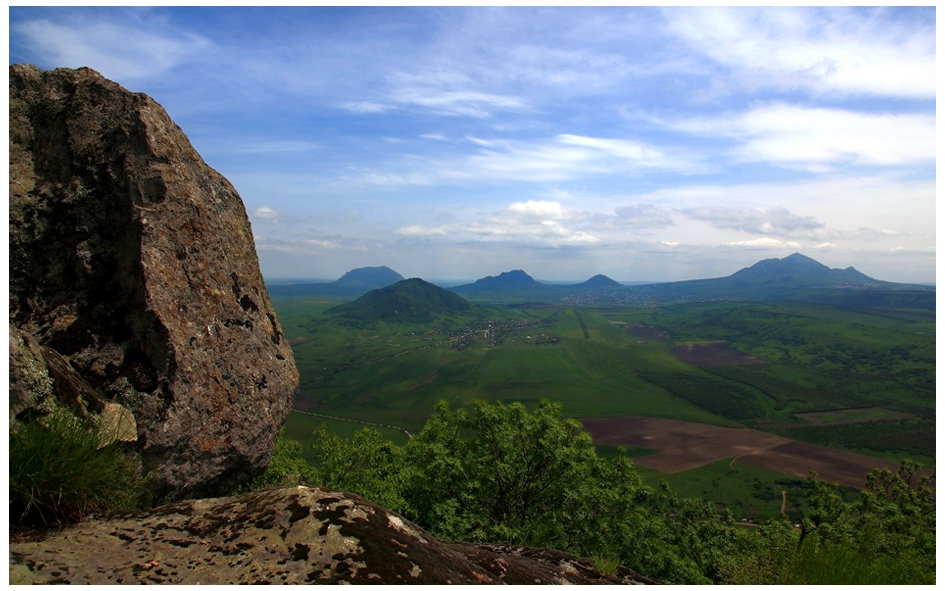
(504, 474)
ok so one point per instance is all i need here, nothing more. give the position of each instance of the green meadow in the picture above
(857, 380)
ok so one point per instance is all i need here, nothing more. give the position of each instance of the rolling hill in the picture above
(598, 282)
(410, 300)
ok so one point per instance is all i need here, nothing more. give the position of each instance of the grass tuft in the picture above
(59, 473)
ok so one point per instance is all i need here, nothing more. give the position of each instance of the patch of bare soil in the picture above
(706, 354)
(682, 446)
(425, 382)
(648, 332)
(306, 403)
(854, 415)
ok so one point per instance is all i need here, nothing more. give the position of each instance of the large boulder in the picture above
(135, 286)
(286, 535)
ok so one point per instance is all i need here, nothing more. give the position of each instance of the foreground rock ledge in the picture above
(286, 535)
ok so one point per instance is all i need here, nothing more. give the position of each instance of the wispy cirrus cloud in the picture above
(120, 49)
(827, 50)
(820, 138)
(613, 137)
(569, 156)
(563, 157)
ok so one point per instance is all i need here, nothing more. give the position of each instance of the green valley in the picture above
(855, 380)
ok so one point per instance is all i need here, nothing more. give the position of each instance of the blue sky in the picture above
(447, 143)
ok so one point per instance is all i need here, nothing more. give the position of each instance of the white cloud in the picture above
(540, 210)
(419, 230)
(755, 220)
(527, 222)
(468, 103)
(765, 243)
(119, 52)
(365, 107)
(643, 215)
(568, 156)
(795, 136)
(267, 213)
(831, 50)
(321, 244)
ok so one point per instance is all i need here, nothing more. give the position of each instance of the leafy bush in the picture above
(61, 473)
(366, 464)
(504, 474)
(286, 467)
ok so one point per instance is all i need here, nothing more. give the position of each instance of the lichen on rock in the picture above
(133, 271)
(284, 535)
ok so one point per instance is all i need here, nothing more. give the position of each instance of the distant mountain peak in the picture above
(516, 278)
(370, 277)
(802, 270)
(599, 281)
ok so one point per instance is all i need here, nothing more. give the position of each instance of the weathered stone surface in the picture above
(134, 278)
(284, 535)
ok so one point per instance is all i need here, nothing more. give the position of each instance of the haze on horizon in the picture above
(656, 144)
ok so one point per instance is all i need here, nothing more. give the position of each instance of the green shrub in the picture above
(58, 473)
(286, 467)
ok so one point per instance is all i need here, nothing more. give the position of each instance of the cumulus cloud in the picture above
(420, 230)
(528, 222)
(267, 213)
(537, 210)
(543, 221)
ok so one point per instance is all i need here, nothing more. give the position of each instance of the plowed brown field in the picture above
(682, 446)
(707, 354)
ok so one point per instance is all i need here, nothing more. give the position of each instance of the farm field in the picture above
(819, 376)
(682, 446)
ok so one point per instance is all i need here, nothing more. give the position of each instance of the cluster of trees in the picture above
(503, 474)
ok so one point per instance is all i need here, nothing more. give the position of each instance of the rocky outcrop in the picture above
(135, 286)
(285, 535)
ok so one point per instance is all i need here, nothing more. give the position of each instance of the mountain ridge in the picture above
(795, 277)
